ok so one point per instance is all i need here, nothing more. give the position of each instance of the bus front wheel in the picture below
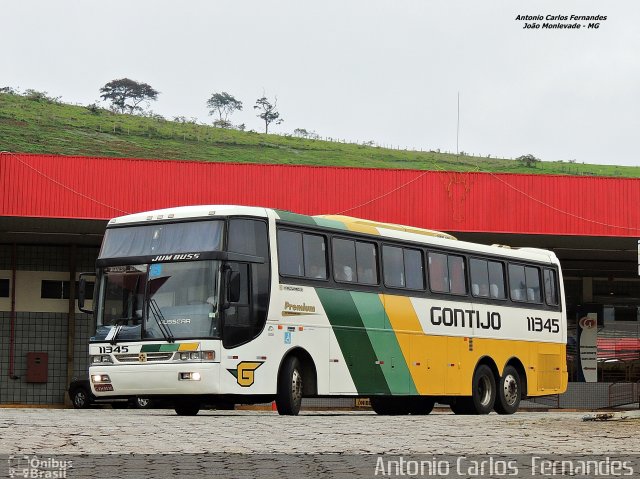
(509, 392)
(289, 397)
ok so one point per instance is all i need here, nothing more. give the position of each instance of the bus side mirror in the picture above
(234, 287)
(231, 293)
(82, 292)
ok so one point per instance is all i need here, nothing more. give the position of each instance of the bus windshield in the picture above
(159, 301)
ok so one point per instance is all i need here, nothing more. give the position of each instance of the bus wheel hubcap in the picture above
(510, 389)
(484, 389)
(296, 386)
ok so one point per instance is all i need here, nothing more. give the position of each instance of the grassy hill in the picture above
(33, 124)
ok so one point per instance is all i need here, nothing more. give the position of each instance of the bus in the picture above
(231, 305)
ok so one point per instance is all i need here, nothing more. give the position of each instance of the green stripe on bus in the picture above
(295, 218)
(169, 347)
(353, 341)
(384, 342)
(339, 225)
(150, 348)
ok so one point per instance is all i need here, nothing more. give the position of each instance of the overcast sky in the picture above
(388, 71)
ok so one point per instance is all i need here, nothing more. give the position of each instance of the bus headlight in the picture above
(101, 359)
(100, 378)
(196, 356)
(189, 376)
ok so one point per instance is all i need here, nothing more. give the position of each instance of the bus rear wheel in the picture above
(389, 406)
(509, 392)
(402, 405)
(289, 396)
(421, 406)
(483, 394)
(187, 408)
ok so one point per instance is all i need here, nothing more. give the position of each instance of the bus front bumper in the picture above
(155, 379)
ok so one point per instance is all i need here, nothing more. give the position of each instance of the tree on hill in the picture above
(303, 133)
(126, 95)
(528, 160)
(223, 104)
(268, 112)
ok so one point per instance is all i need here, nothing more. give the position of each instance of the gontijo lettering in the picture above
(461, 318)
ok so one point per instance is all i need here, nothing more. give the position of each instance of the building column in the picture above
(587, 290)
(71, 323)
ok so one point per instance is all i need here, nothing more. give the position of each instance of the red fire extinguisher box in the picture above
(37, 367)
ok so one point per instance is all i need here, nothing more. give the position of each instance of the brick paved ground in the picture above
(99, 431)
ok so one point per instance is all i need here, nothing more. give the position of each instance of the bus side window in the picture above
(479, 277)
(532, 276)
(550, 287)
(344, 260)
(393, 266)
(354, 261)
(496, 280)
(457, 275)
(403, 267)
(290, 253)
(414, 268)
(517, 283)
(315, 256)
(366, 263)
(438, 273)
(245, 319)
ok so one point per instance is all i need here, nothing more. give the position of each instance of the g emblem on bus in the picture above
(245, 372)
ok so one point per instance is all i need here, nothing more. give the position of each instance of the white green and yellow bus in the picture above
(231, 304)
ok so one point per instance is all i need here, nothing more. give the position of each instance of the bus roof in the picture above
(338, 222)
(186, 212)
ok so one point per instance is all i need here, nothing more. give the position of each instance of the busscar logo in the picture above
(245, 372)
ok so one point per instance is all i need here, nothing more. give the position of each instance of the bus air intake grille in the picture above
(149, 357)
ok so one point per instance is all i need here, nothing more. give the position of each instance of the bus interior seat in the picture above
(475, 289)
(493, 288)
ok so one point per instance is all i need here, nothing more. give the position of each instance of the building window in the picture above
(4, 288)
(53, 289)
(446, 274)
(487, 279)
(355, 261)
(302, 254)
(403, 267)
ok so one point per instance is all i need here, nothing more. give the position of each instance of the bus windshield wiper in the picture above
(159, 317)
(116, 330)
